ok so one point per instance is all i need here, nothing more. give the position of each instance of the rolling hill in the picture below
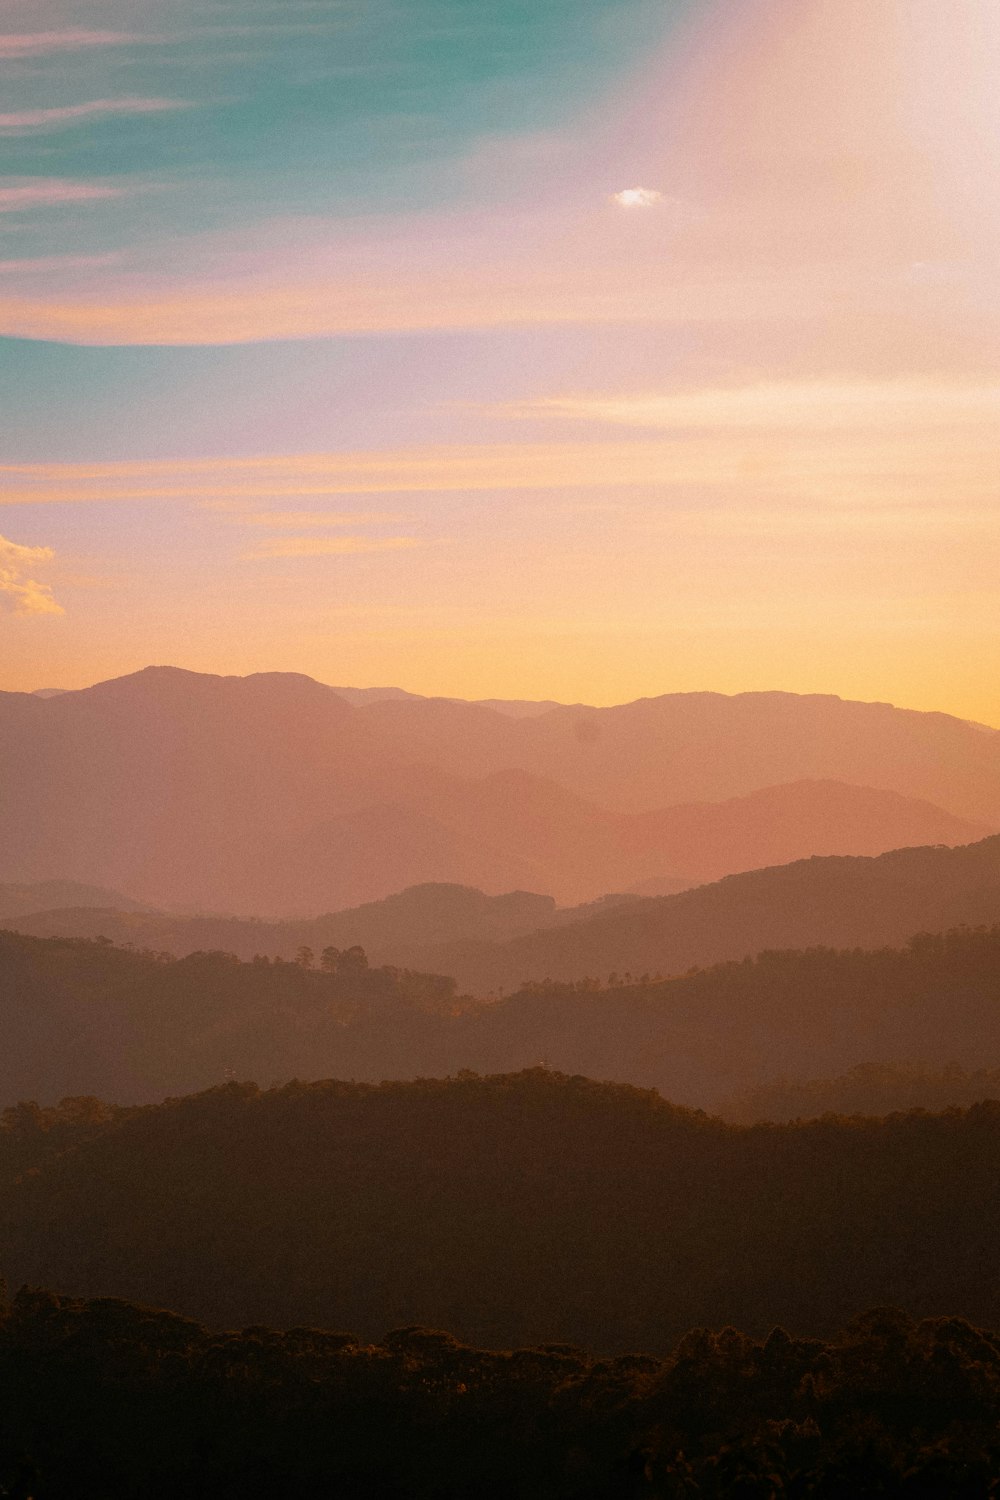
(512, 1210)
(837, 902)
(85, 1018)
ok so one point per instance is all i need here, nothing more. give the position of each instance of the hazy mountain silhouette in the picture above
(685, 747)
(43, 895)
(841, 902)
(516, 708)
(869, 1089)
(272, 794)
(395, 930)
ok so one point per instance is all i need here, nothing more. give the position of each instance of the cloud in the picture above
(72, 39)
(33, 121)
(637, 197)
(816, 458)
(329, 546)
(786, 405)
(236, 512)
(40, 192)
(19, 592)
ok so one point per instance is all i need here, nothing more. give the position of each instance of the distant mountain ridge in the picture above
(837, 902)
(394, 930)
(272, 794)
(43, 895)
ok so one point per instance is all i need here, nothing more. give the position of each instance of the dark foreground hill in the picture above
(839, 902)
(88, 1018)
(106, 1399)
(511, 1210)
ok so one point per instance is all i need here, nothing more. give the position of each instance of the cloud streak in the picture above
(71, 39)
(277, 519)
(38, 121)
(20, 592)
(44, 192)
(714, 438)
(328, 546)
(782, 405)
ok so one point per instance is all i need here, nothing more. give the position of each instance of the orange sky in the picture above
(534, 436)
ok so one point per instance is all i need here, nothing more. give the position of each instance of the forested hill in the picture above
(840, 902)
(889, 1407)
(85, 1017)
(88, 1018)
(511, 1210)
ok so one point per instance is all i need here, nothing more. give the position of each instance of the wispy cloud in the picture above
(276, 519)
(71, 39)
(329, 546)
(899, 461)
(784, 405)
(38, 121)
(41, 192)
(21, 593)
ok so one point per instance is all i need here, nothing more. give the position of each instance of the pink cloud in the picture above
(40, 192)
(26, 121)
(72, 39)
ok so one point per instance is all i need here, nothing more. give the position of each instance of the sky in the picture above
(574, 349)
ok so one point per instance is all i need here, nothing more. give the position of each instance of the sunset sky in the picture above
(583, 349)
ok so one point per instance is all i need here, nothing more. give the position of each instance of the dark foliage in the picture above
(107, 1401)
(510, 1210)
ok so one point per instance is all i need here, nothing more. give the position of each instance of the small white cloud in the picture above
(637, 197)
(20, 593)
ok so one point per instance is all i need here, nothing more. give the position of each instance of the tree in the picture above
(304, 957)
(353, 960)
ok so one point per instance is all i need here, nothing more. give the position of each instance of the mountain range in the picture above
(275, 795)
(492, 944)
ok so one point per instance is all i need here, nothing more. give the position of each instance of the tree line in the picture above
(104, 1400)
(88, 1018)
(513, 1209)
